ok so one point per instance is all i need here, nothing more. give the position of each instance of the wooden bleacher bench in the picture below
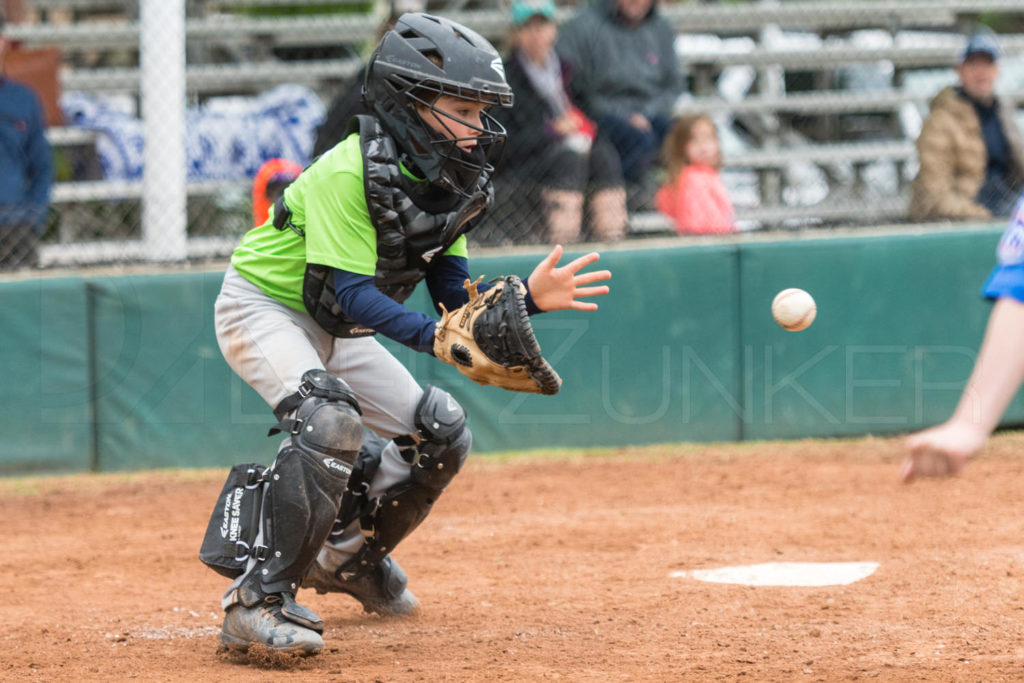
(830, 211)
(121, 251)
(235, 4)
(725, 18)
(828, 56)
(103, 35)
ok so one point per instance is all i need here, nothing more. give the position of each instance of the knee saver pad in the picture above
(317, 383)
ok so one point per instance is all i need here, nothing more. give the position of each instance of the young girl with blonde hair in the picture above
(694, 196)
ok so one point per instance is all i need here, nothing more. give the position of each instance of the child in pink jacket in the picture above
(694, 196)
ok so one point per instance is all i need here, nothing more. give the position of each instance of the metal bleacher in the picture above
(251, 65)
(821, 102)
(205, 79)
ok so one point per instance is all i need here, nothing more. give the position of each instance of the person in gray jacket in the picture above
(626, 75)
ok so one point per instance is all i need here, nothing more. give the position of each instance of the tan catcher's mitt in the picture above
(490, 340)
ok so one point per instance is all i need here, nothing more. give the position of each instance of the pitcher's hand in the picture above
(941, 451)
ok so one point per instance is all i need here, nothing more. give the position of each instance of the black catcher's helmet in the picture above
(421, 59)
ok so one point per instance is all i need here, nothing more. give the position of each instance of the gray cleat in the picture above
(380, 588)
(265, 624)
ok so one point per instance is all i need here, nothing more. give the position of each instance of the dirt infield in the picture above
(558, 569)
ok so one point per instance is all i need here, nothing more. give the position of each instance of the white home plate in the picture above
(785, 573)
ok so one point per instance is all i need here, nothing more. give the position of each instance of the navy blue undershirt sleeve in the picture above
(446, 277)
(361, 301)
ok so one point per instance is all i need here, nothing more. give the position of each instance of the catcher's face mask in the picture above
(430, 82)
(463, 135)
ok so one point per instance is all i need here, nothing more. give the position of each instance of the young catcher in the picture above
(345, 245)
(998, 371)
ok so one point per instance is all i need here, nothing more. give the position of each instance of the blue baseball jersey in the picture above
(1007, 279)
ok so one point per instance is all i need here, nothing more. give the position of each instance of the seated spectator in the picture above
(694, 196)
(552, 145)
(26, 170)
(970, 147)
(625, 76)
(274, 175)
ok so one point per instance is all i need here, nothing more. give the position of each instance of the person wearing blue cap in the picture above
(27, 163)
(971, 163)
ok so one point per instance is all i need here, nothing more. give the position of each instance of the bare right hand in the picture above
(941, 451)
(554, 289)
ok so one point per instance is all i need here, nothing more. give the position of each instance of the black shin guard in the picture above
(303, 489)
(444, 443)
(302, 501)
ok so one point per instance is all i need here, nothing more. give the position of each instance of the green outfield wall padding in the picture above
(117, 373)
(654, 363)
(45, 391)
(165, 396)
(899, 323)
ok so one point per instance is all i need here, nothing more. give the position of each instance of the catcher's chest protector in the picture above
(405, 232)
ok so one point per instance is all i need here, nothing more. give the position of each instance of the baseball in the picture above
(794, 309)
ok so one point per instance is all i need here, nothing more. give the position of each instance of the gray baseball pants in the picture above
(270, 346)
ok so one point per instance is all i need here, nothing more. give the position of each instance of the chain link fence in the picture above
(816, 107)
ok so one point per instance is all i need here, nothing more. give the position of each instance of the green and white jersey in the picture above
(328, 203)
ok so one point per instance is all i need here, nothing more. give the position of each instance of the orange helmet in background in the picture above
(274, 175)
